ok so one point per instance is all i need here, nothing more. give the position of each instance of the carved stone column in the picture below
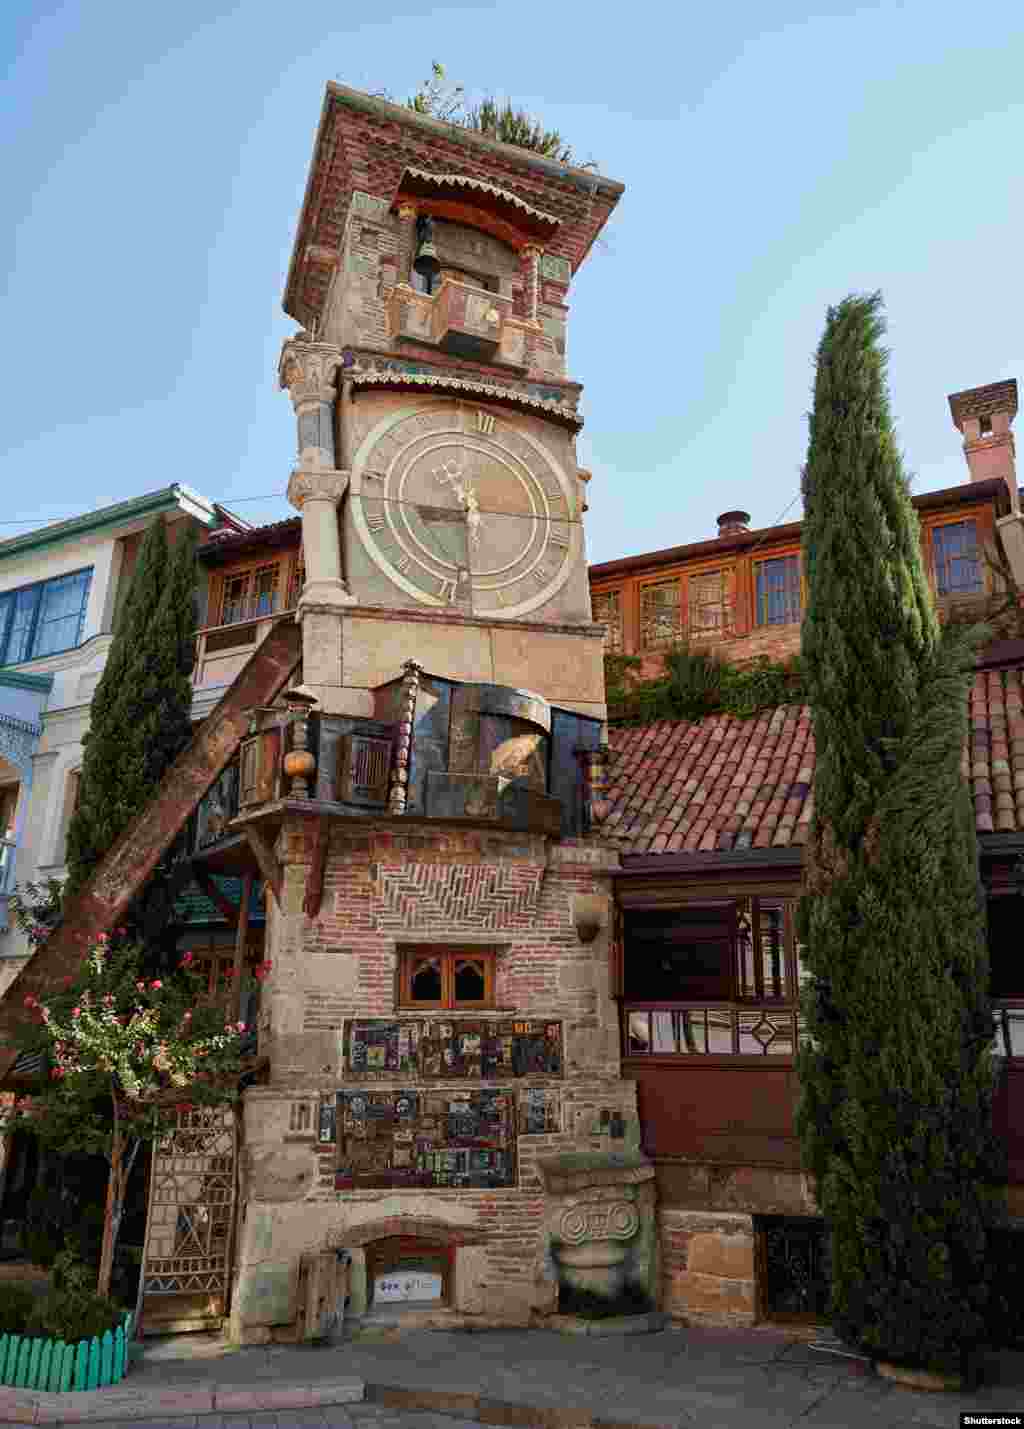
(308, 369)
(316, 487)
(317, 494)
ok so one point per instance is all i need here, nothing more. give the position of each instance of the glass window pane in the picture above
(957, 563)
(61, 613)
(659, 615)
(773, 955)
(469, 980)
(265, 591)
(25, 603)
(234, 603)
(639, 1037)
(707, 603)
(426, 980)
(778, 591)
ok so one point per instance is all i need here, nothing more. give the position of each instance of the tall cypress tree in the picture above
(895, 1113)
(139, 716)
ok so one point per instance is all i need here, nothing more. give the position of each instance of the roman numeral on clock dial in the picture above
(484, 423)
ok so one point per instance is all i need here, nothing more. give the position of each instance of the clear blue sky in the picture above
(154, 159)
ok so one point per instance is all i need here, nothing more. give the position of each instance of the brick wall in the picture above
(512, 892)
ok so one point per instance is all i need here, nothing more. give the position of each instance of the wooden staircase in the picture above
(130, 862)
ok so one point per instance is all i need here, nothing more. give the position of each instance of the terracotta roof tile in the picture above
(728, 783)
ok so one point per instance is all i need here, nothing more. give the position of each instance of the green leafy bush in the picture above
(72, 1310)
(67, 1317)
(16, 1305)
(696, 683)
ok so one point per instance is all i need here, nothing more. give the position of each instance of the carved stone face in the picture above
(460, 506)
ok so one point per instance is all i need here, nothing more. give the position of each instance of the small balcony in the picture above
(466, 321)
(222, 650)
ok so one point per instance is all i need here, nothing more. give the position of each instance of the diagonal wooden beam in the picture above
(125, 869)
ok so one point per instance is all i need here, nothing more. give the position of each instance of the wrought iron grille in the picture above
(191, 1205)
(794, 1270)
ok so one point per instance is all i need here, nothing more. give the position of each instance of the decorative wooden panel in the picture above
(364, 766)
(258, 761)
(607, 608)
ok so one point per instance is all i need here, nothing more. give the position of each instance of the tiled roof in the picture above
(192, 905)
(730, 783)
(236, 543)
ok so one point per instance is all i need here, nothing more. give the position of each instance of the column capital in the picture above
(308, 369)
(407, 210)
(305, 485)
(531, 250)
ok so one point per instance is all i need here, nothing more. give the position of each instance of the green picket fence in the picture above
(54, 1366)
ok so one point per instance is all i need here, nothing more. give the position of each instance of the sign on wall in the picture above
(379, 1049)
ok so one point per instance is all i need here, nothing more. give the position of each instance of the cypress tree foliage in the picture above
(895, 1113)
(139, 717)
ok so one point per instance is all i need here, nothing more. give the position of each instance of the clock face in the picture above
(461, 508)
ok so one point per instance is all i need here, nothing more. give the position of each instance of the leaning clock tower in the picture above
(439, 1030)
(437, 424)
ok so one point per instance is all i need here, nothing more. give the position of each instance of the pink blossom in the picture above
(103, 937)
(157, 985)
(121, 932)
(187, 960)
(56, 1073)
(76, 1012)
(140, 987)
(240, 1027)
(30, 1001)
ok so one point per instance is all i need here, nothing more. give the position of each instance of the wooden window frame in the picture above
(612, 648)
(982, 530)
(726, 571)
(288, 564)
(755, 563)
(678, 581)
(734, 1008)
(409, 954)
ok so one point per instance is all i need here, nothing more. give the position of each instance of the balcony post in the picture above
(530, 256)
(407, 216)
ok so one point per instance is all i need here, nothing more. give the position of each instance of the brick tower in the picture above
(443, 1100)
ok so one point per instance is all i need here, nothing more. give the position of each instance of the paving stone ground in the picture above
(760, 1379)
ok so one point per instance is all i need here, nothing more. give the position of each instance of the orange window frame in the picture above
(756, 622)
(646, 586)
(612, 646)
(984, 534)
(449, 958)
(287, 566)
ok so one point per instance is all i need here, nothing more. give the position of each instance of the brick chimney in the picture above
(985, 416)
(733, 523)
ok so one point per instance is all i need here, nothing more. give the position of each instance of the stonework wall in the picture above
(706, 1223)
(463, 887)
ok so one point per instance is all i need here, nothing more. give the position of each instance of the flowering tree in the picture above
(126, 1053)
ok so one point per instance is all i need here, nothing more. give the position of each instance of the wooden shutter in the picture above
(258, 759)
(363, 769)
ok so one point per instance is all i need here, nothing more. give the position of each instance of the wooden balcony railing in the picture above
(730, 1029)
(222, 650)
(702, 1029)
